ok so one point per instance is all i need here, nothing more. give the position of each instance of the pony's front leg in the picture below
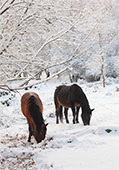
(66, 114)
(73, 110)
(30, 134)
(77, 114)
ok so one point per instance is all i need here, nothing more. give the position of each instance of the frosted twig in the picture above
(4, 10)
(4, 4)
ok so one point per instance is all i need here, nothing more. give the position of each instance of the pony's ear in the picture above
(92, 110)
(46, 124)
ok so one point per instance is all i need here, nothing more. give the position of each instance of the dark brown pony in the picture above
(72, 97)
(32, 108)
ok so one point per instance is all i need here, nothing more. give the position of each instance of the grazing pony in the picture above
(32, 108)
(72, 97)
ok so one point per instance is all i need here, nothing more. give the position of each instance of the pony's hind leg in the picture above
(57, 119)
(66, 114)
(30, 134)
(59, 114)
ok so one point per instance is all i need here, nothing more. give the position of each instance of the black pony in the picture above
(72, 97)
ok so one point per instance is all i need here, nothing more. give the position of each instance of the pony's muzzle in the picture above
(85, 124)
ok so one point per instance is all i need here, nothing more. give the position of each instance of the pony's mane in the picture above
(85, 101)
(35, 111)
(79, 94)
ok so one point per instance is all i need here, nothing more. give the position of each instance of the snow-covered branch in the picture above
(6, 87)
(53, 38)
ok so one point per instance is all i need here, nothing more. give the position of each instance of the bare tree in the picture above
(36, 36)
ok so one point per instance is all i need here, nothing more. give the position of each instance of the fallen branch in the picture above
(5, 87)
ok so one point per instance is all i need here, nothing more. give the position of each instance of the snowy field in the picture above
(67, 146)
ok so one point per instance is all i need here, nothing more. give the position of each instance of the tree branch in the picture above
(5, 87)
(52, 39)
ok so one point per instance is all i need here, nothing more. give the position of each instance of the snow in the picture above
(66, 146)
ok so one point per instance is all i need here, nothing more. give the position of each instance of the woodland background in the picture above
(78, 38)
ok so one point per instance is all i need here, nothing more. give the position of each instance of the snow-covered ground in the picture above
(67, 146)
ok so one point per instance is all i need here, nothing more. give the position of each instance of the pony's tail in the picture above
(58, 112)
